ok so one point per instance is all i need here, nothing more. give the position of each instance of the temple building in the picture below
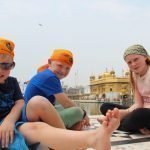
(109, 87)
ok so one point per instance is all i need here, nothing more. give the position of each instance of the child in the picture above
(137, 117)
(11, 100)
(45, 87)
(11, 103)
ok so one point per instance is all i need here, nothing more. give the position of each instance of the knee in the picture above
(104, 108)
(36, 126)
(31, 128)
(140, 115)
(37, 103)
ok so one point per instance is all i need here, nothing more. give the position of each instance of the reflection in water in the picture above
(91, 106)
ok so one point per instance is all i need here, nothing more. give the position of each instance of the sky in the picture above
(96, 31)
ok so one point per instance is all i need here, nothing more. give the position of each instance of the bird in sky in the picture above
(40, 24)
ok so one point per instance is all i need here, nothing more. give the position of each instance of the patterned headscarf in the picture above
(135, 49)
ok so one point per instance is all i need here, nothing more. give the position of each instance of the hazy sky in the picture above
(96, 31)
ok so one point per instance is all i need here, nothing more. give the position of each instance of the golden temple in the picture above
(109, 87)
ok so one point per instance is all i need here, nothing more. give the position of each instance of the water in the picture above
(92, 107)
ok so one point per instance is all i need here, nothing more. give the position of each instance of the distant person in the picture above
(137, 117)
(45, 87)
(11, 104)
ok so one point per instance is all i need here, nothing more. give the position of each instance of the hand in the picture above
(78, 126)
(6, 133)
(87, 121)
(100, 119)
(145, 131)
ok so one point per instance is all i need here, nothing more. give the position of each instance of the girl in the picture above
(137, 117)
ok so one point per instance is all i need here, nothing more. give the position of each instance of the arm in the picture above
(137, 104)
(15, 112)
(64, 100)
(8, 124)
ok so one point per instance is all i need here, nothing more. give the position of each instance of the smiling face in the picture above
(6, 64)
(60, 69)
(137, 63)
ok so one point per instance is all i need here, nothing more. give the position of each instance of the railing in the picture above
(93, 106)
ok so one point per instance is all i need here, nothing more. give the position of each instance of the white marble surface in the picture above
(134, 146)
(131, 146)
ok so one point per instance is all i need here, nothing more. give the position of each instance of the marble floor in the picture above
(123, 140)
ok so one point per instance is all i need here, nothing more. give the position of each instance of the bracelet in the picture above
(84, 113)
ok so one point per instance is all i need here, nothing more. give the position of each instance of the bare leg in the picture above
(40, 109)
(72, 140)
(109, 123)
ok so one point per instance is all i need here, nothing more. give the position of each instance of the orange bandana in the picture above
(42, 68)
(7, 47)
(60, 55)
(63, 56)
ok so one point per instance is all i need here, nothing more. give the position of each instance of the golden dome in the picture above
(106, 74)
(92, 77)
(100, 76)
(112, 72)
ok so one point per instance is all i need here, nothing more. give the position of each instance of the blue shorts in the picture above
(19, 141)
(23, 114)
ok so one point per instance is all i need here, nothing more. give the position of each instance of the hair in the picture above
(148, 60)
(42, 68)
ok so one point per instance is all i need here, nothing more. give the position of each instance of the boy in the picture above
(45, 87)
(11, 100)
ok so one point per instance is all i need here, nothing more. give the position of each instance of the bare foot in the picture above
(145, 131)
(112, 120)
(110, 123)
(100, 119)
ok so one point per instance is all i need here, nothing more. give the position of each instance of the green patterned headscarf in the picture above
(135, 49)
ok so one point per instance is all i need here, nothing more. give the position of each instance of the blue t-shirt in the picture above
(45, 84)
(9, 93)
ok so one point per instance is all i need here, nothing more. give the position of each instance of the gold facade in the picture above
(108, 83)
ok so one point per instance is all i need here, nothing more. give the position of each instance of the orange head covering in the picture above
(60, 55)
(42, 68)
(63, 56)
(7, 47)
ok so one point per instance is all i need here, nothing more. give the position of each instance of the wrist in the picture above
(128, 110)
